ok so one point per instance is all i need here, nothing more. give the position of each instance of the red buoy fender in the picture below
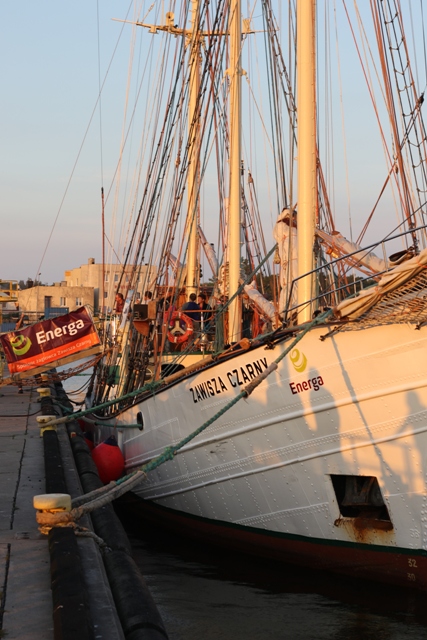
(108, 460)
(176, 333)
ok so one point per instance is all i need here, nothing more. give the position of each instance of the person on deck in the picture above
(205, 312)
(120, 303)
(221, 324)
(247, 318)
(192, 310)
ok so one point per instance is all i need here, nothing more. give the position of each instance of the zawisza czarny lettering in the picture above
(243, 375)
(233, 378)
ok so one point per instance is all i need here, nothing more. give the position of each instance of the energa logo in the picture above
(298, 360)
(20, 345)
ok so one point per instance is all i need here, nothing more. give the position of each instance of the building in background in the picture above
(9, 288)
(44, 301)
(109, 279)
(88, 285)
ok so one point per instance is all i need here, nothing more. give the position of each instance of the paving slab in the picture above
(26, 597)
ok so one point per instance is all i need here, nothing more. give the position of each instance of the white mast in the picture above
(307, 193)
(234, 221)
(194, 158)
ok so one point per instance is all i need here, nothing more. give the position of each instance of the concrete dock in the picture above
(26, 598)
(61, 586)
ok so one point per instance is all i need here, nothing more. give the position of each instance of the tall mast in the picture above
(193, 181)
(234, 221)
(192, 36)
(307, 183)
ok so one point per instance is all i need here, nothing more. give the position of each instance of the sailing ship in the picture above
(304, 440)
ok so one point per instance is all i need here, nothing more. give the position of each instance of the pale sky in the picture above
(50, 81)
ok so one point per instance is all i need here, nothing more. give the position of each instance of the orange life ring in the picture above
(176, 333)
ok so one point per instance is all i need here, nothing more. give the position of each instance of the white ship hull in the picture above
(295, 462)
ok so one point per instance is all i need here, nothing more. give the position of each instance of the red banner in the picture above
(49, 340)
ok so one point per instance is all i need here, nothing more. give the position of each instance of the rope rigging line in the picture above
(220, 314)
(80, 149)
(95, 499)
(52, 377)
(149, 386)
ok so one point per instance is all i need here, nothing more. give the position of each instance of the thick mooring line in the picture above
(71, 617)
(136, 609)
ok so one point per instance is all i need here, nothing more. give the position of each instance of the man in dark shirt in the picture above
(205, 312)
(192, 310)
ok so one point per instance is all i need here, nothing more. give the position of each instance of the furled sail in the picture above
(209, 252)
(265, 306)
(354, 308)
(285, 234)
(179, 270)
(339, 246)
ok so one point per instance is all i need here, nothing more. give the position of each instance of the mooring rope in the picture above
(87, 503)
(52, 377)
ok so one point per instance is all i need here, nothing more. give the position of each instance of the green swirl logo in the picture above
(298, 360)
(20, 345)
